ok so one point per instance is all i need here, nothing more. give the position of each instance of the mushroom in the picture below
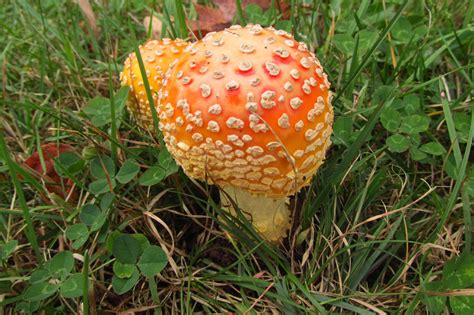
(249, 109)
(158, 57)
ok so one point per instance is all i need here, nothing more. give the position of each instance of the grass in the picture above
(385, 227)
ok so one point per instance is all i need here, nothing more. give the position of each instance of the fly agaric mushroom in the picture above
(158, 57)
(249, 109)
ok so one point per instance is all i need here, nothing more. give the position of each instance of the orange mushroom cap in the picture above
(157, 56)
(250, 108)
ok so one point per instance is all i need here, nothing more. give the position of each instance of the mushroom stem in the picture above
(269, 216)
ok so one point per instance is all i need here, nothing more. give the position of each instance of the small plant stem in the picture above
(467, 214)
(154, 293)
(85, 279)
(113, 128)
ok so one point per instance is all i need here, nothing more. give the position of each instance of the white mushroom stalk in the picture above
(271, 217)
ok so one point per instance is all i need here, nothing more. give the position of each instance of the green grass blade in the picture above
(450, 124)
(366, 58)
(240, 13)
(338, 173)
(453, 196)
(183, 29)
(146, 83)
(30, 230)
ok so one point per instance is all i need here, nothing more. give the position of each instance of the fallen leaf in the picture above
(88, 13)
(155, 26)
(49, 175)
(215, 19)
(209, 19)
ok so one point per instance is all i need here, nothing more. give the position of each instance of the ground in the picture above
(385, 227)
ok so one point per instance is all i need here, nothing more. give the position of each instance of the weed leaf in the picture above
(60, 265)
(126, 249)
(398, 143)
(128, 171)
(152, 261)
(73, 286)
(40, 291)
(123, 271)
(122, 286)
(462, 305)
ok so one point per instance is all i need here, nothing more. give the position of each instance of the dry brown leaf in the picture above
(155, 26)
(215, 19)
(88, 13)
(209, 19)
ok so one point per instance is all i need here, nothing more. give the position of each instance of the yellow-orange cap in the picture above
(158, 56)
(248, 107)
